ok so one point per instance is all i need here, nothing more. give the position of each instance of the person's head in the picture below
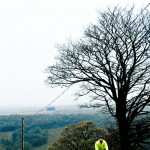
(101, 138)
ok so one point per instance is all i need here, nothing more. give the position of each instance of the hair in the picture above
(100, 137)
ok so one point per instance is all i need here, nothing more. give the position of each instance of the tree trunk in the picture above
(122, 122)
(123, 131)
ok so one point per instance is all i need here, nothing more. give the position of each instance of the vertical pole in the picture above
(22, 133)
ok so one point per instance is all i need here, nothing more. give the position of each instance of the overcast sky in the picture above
(29, 30)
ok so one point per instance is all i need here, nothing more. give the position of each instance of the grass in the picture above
(5, 135)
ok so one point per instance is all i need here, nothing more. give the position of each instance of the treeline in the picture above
(40, 131)
(36, 127)
(13, 122)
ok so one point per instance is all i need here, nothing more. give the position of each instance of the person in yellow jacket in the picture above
(101, 144)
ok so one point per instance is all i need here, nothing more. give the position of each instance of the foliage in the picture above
(137, 138)
(81, 136)
(113, 138)
(48, 121)
(27, 146)
(36, 128)
(10, 123)
(35, 137)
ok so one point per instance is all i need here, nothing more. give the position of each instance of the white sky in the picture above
(29, 29)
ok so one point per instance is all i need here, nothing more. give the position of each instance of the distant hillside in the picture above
(39, 129)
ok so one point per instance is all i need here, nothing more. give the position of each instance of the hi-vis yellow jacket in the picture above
(101, 146)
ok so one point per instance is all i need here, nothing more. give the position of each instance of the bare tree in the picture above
(112, 61)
